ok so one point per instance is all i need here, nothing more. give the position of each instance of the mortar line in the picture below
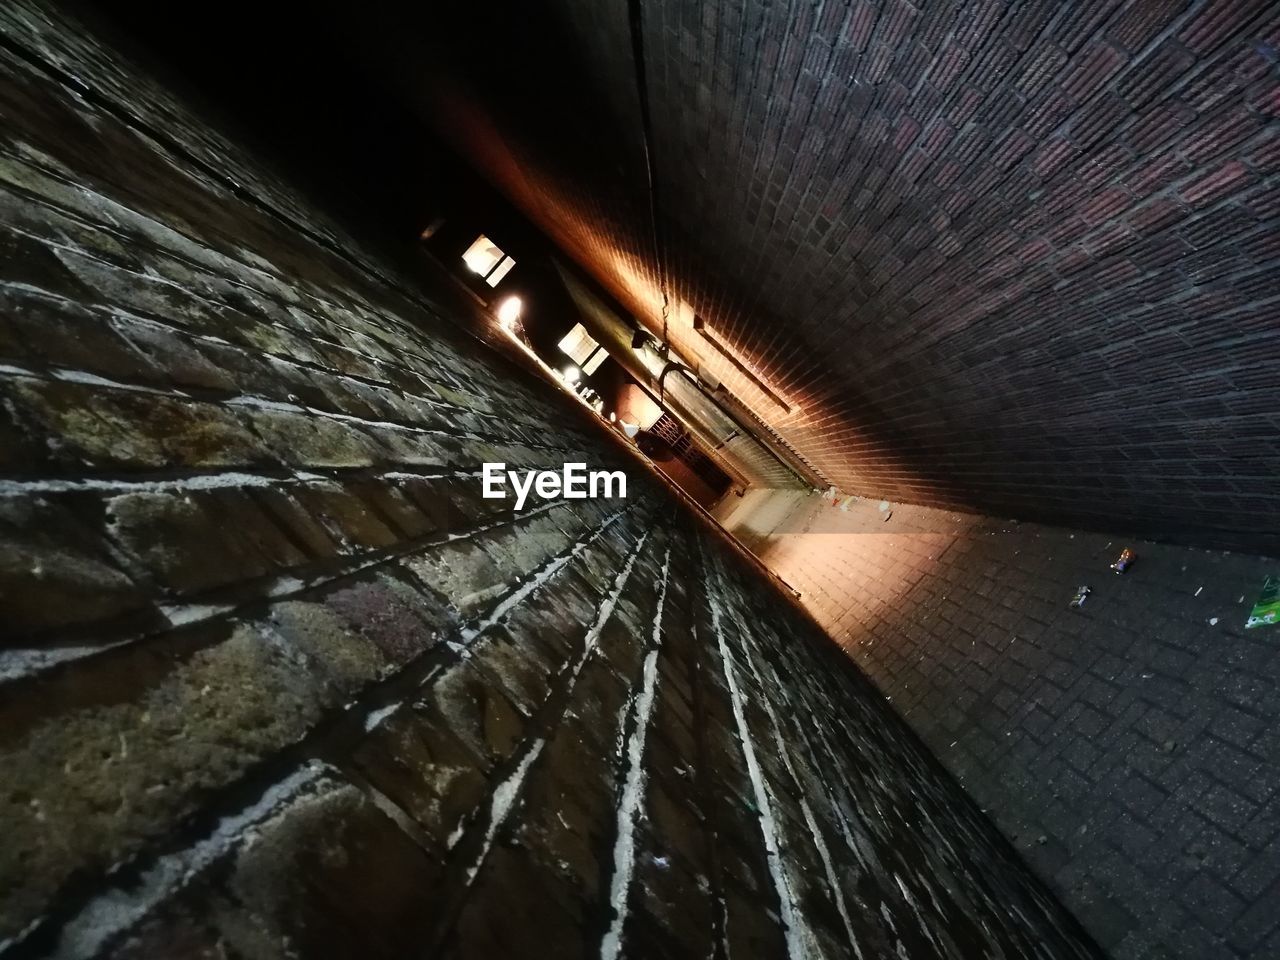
(632, 798)
(798, 936)
(349, 722)
(819, 841)
(472, 841)
(705, 798)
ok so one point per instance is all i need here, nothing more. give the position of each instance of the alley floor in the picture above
(1130, 748)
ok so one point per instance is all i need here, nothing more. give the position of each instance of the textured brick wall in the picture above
(1128, 748)
(1016, 258)
(274, 680)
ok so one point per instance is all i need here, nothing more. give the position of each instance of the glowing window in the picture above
(500, 271)
(487, 259)
(584, 351)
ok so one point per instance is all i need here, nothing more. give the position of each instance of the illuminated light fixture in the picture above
(571, 374)
(613, 417)
(500, 271)
(509, 312)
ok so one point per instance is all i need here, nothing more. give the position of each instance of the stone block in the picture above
(347, 517)
(129, 743)
(130, 430)
(331, 875)
(416, 760)
(402, 621)
(188, 542)
(465, 702)
(56, 571)
(304, 440)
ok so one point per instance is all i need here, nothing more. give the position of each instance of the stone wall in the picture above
(276, 681)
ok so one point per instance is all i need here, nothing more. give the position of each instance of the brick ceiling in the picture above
(1020, 258)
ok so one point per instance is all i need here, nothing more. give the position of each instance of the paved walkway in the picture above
(1131, 749)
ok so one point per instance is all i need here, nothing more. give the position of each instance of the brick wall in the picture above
(1016, 258)
(1126, 748)
(274, 679)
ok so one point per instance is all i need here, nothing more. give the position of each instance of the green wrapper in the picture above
(1267, 610)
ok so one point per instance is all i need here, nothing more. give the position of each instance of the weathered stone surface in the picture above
(348, 517)
(463, 571)
(197, 541)
(179, 359)
(327, 647)
(55, 572)
(331, 875)
(298, 523)
(417, 761)
(465, 702)
(541, 917)
(124, 754)
(39, 330)
(308, 441)
(130, 430)
(402, 622)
